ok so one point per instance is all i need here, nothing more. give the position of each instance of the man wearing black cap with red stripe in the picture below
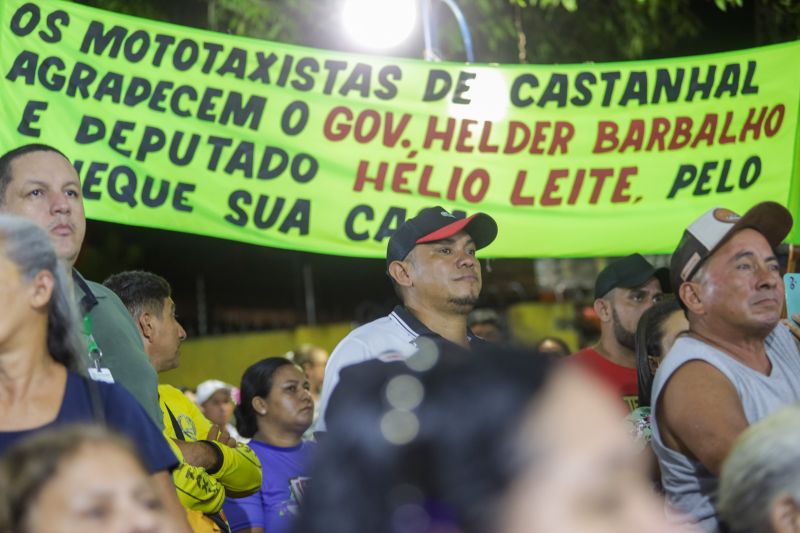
(623, 291)
(431, 262)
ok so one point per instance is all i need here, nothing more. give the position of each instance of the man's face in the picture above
(742, 286)
(627, 307)
(45, 188)
(446, 273)
(166, 339)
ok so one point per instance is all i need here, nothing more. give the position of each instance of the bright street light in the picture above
(379, 24)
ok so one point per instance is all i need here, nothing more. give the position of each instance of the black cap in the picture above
(629, 272)
(434, 224)
(710, 231)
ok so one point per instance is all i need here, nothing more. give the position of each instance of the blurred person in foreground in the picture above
(433, 268)
(465, 442)
(274, 411)
(737, 363)
(39, 183)
(213, 464)
(759, 486)
(42, 384)
(625, 289)
(79, 478)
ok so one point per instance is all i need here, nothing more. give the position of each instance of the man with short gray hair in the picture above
(737, 363)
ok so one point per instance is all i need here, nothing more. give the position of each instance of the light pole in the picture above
(431, 34)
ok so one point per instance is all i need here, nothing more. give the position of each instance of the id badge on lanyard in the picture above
(96, 370)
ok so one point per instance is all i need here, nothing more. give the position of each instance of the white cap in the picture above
(207, 389)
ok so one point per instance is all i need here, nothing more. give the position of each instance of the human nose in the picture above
(181, 333)
(59, 203)
(767, 277)
(466, 258)
(141, 520)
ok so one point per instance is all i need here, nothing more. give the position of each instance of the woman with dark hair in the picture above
(81, 478)
(274, 411)
(41, 379)
(656, 332)
(464, 442)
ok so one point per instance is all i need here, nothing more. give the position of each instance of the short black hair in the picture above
(7, 158)
(140, 291)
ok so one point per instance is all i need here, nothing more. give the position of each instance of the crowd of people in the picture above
(679, 419)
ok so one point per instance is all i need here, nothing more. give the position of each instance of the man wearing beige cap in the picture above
(736, 364)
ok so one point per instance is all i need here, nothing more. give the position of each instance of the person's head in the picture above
(759, 486)
(312, 359)
(39, 183)
(79, 478)
(487, 324)
(501, 442)
(657, 330)
(34, 292)
(554, 347)
(431, 259)
(726, 272)
(215, 399)
(148, 298)
(625, 289)
(274, 396)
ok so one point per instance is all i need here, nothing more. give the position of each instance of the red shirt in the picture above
(621, 379)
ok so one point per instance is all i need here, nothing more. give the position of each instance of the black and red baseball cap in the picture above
(434, 224)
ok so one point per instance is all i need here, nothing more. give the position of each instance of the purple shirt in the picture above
(284, 481)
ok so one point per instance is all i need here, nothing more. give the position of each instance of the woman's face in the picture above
(671, 327)
(100, 489)
(13, 296)
(585, 474)
(289, 404)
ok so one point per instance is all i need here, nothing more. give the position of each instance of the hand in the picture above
(220, 435)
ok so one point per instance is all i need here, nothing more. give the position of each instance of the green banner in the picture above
(260, 142)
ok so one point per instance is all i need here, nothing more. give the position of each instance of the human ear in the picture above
(145, 324)
(399, 271)
(690, 294)
(784, 515)
(259, 405)
(42, 289)
(603, 309)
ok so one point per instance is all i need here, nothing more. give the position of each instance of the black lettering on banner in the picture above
(386, 78)
(300, 175)
(207, 104)
(395, 216)
(286, 69)
(698, 86)
(528, 80)
(175, 100)
(96, 37)
(582, 80)
(213, 49)
(555, 91)
(31, 115)
(462, 87)
(21, 27)
(24, 65)
(305, 65)
(124, 191)
(438, 85)
(266, 171)
(187, 157)
(53, 20)
(333, 67)
(110, 85)
(261, 72)
(258, 216)
(91, 180)
(242, 159)
(218, 143)
(296, 112)
(118, 136)
(635, 89)
(179, 200)
(235, 200)
(185, 63)
(358, 80)
(153, 140)
(82, 76)
(610, 79)
(91, 129)
(164, 41)
(159, 96)
(138, 91)
(745, 180)
(250, 112)
(147, 192)
(350, 223)
(138, 38)
(235, 63)
(51, 82)
(666, 85)
(298, 218)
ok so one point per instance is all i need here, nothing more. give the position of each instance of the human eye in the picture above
(98, 512)
(36, 193)
(73, 193)
(445, 250)
(744, 266)
(637, 296)
(471, 252)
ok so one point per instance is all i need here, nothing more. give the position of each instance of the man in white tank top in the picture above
(736, 364)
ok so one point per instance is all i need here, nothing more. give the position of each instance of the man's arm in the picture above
(699, 414)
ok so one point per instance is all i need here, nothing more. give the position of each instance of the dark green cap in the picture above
(629, 272)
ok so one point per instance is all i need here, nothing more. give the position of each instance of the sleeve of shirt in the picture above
(126, 416)
(245, 512)
(197, 490)
(348, 352)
